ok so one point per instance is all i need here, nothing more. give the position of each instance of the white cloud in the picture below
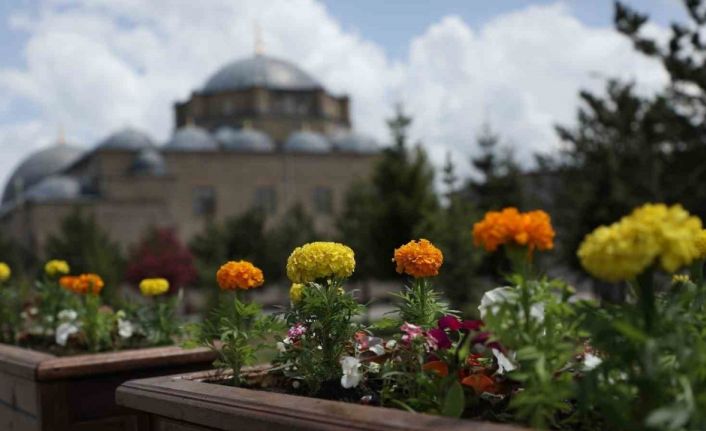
(97, 65)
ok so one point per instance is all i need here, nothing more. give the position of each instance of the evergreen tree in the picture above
(500, 182)
(396, 201)
(87, 248)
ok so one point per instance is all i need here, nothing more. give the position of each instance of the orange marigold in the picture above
(438, 367)
(239, 275)
(418, 259)
(83, 284)
(531, 229)
(480, 383)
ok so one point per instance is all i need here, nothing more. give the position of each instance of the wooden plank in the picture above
(21, 362)
(228, 408)
(126, 360)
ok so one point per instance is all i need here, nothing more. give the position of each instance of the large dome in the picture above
(38, 166)
(260, 71)
(55, 188)
(355, 143)
(127, 139)
(192, 138)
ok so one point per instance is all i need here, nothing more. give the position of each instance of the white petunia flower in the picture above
(67, 315)
(374, 367)
(591, 361)
(63, 332)
(351, 372)
(391, 344)
(125, 328)
(493, 298)
(504, 364)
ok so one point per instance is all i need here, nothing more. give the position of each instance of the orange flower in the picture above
(418, 259)
(84, 283)
(239, 275)
(438, 367)
(480, 383)
(531, 229)
(67, 282)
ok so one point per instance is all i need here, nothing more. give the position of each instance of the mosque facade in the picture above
(260, 133)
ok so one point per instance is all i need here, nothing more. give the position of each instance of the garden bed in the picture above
(188, 402)
(40, 391)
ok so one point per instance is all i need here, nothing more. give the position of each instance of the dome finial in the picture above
(259, 43)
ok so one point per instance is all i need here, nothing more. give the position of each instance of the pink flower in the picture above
(437, 339)
(449, 322)
(412, 331)
(296, 331)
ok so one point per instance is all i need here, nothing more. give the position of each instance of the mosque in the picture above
(261, 133)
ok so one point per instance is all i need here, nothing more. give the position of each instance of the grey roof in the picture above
(261, 71)
(39, 165)
(127, 139)
(246, 139)
(148, 161)
(55, 187)
(305, 141)
(354, 142)
(192, 138)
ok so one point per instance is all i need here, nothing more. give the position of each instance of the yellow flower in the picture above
(55, 268)
(296, 292)
(701, 243)
(418, 259)
(239, 275)
(154, 286)
(5, 271)
(653, 233)
(680, 278)
(319, 260)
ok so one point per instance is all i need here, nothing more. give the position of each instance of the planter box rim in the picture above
(186, 397)
(42, 366)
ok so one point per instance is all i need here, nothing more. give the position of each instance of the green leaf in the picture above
(455, 401)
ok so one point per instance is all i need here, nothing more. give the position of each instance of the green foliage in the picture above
(97, 325)
(87, 248)
(158, 320)
(11, 297)
(326, 313)
(385, 213)
(420, 303)
(237, 332)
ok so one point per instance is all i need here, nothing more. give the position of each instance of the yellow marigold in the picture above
(56, 267)
(652, 233)
(239, 275)
(296, 292)
(5, 271)
(680, 278)
(154, 286)
(701, 243)
(532, 229)
(318, 260)
(418, 259)
(83, 284)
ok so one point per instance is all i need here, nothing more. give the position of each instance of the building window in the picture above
(266, 198)
(204, 201)
(323, 200)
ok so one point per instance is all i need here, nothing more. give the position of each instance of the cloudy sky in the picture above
(89, 67)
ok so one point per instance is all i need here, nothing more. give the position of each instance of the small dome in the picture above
(305, 141)
(38, 166)
(55, 188)
(355, 143)
(244, 140)
(192, 138)
(127, 139)
(148, 162)
(262, 71)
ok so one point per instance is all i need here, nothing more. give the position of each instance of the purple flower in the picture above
(437, 339)
(449, 322)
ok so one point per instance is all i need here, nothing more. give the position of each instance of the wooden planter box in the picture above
(186, 403)
(43, 392)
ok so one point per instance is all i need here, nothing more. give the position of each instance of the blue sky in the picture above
(90, 67)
